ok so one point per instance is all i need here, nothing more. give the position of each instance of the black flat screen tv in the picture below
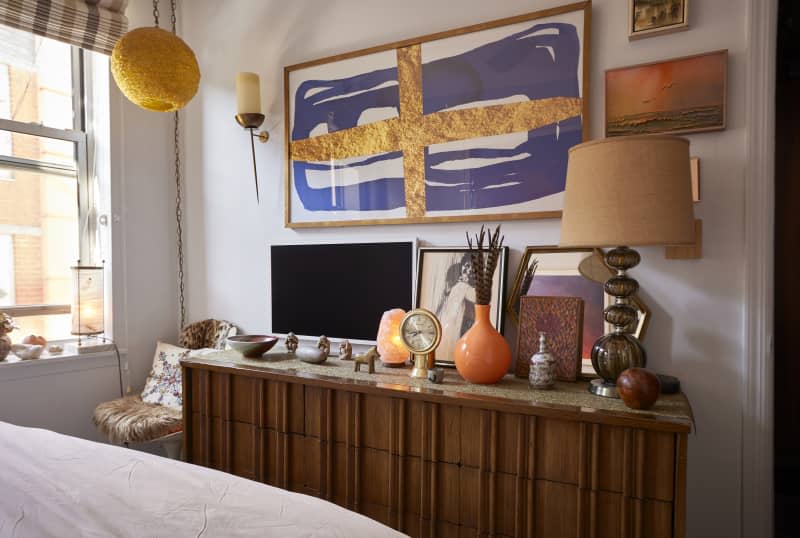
(339, 290)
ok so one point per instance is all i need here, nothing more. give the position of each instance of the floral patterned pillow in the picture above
(164, 383)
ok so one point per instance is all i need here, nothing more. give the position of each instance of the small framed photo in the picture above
(679, 95)
(651, 17)
(445, 287)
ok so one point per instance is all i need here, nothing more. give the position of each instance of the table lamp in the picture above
(634, 190)
(87, 308)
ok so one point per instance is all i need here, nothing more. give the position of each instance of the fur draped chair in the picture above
(130, 419)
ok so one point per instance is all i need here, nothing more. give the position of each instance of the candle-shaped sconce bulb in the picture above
(248, 93)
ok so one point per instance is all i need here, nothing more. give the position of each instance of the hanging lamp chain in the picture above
(155, 12)
(178, 198)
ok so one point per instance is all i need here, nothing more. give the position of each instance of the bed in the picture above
(56, 485)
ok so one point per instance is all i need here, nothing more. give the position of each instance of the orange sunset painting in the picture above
(677, 96)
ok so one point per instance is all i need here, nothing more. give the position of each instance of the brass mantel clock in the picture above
(421, 333)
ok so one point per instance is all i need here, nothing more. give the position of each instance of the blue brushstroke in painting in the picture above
(536, 66)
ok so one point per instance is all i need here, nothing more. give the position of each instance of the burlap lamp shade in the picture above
(155, 69)
(633, 190)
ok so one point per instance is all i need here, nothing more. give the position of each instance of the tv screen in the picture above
(339, 290)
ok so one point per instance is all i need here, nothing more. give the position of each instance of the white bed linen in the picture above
(56, 485)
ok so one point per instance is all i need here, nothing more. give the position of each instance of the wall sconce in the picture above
(249, 116)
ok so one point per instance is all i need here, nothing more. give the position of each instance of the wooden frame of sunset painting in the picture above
(680, 95)
(469, 124)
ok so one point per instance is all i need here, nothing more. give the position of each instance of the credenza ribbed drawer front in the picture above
(434, 467)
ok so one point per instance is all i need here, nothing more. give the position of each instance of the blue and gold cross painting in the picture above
(477, 125)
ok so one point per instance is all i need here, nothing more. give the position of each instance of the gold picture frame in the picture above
(403, 159)
(443, 289)
(570, 271)
(647, 18)
(681, 95)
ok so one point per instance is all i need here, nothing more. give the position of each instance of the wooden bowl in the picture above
(252, 345)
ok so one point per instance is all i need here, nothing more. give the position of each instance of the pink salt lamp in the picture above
(390, 345)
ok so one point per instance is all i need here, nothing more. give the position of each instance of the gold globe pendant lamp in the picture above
(154, 68)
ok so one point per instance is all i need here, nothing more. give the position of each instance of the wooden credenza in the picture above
(434, 462)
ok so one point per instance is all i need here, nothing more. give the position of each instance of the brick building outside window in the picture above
(47, 218)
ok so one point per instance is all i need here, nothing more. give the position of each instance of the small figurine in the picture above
(27, 352)
(324, 345)
(436, 375)
(345, 350)
(543, 366)
(367, 358)
(291, 342)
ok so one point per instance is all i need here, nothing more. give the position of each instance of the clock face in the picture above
(420, 331)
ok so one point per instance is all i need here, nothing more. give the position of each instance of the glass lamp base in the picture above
(598, 387)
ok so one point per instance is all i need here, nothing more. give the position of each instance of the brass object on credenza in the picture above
(367, 358)
(345, 350)
(421, 333)
(292, 342)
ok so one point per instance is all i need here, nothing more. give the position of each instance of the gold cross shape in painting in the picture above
(412, 131)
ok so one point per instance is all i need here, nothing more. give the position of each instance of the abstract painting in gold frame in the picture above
(470, 124)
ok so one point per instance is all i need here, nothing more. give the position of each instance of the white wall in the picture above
(58, 393)
(696, 331)
(143, 204)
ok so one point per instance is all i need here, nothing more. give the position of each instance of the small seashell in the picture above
(26, 351)
(311, 355)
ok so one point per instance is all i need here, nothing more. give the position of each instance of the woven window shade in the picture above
(90, 24)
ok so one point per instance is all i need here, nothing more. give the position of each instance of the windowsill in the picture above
(14, 368)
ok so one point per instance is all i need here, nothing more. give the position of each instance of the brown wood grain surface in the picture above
(439, 466)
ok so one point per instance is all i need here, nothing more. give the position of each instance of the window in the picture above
(47, 213)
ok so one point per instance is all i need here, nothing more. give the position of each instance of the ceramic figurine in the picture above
(324, 344)
(311, 355)
(367, 358)
(27, 351)
(436, 375)
(345, 350)
(291, 342)
(542, 374)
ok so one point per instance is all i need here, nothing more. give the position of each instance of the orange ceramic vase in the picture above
(482, 355)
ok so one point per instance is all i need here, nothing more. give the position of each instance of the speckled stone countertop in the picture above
(669, 406)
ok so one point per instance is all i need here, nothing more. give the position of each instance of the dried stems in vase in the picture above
(484, 261)
(527, 278)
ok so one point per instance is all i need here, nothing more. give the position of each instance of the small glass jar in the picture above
(542, 373)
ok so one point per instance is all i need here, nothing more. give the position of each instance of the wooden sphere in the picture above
(638, 388)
